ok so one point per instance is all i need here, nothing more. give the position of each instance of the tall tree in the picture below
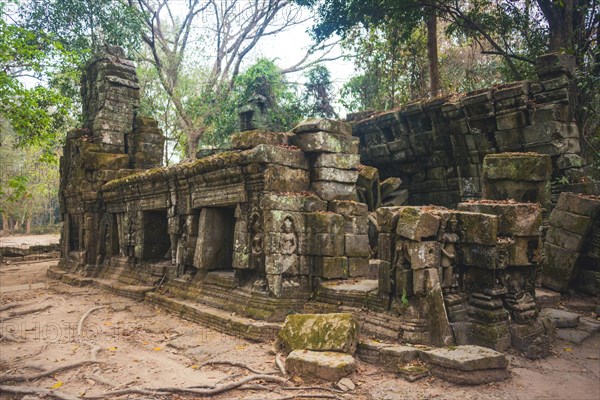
(318, 93)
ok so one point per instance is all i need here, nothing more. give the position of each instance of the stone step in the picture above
(546, 298)
(217, 319)
(470, 365)
(352, 293)
(324, 365)
(134, 292)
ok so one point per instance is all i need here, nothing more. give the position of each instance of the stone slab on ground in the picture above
(326, 365)
(394, 357)
(546, 298)
(561, 318)
(320, 332)
(465, 358)
(572, 335)
(477, 377)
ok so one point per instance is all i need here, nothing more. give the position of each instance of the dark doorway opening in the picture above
(156, 236)
(214, 246)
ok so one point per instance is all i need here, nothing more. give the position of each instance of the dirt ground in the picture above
(139, 345)
(25, 241)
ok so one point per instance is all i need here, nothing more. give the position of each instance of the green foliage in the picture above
(264, 78)
(39, 114)
(318, 93)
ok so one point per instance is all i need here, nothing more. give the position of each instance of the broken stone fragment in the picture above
(249, 139)
(330, 191)
(345, 385)
(416, 224)
(558, 270)
(326, 365)
(368, 181)
(561, 318)
(424, 254)
(320, 332)
(323, 124)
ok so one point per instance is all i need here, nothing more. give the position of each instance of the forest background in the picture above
(199, 60)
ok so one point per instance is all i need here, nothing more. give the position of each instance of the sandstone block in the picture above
(323, 142)
(334, 175)
(320, 332)
(293, 202)
(325, 125)
(515, 219)
(275, 155)
(360, 267)
(416, 224)
(477, 228)
(465, 358)
(325, 244)
(325, 365)
(347, 207)
(564, 239)
(511, 121)
(561, 318)
(517, 167)
(331, 267)
(571, 222)
(393, 357)
(250, 139)
(588, 206)
(330, 191)
(336, 160)
(549, 131)
(424, 254)
(279, 178)
(358, 225)
(557, 271)
(356, 245)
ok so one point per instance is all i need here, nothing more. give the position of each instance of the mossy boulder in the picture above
(320, 332)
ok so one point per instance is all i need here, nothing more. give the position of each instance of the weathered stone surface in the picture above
(320, 332)
(517, 167)
(264, 153)
(554, 64)
(331, 267)
(360, 267)
(326, 365)
(368, 186)
(416, 224)
(571, 222)
(566, 161)
(330, 191)
(478, 377)
(564, 239)
(465, 358)
(346, 207)
(323, 124)
(356, 245)
(557, 271)
(250, 139)
(511, 120)
(334, 175)
(392, 357)
(549, 131)
(515, 219)
(588, 206)
(345, 385)
(323, 142)
(279, 178)
(478, 228)
(293, 202)
(424, 254)
(561, 318)
(336, 160)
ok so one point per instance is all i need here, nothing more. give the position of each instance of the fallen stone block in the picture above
(393, 357)
(326, 365)
(557, 271)
(517, 166)
(469, 365)
(588, 206)
(571, 222)
(561, 318)
(515, 219)
(320, 332)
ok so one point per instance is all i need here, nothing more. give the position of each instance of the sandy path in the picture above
(143, 346)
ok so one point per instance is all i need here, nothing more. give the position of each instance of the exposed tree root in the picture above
(240, 384)
(8, 306)
(280, 364)
(235, 364)
(84, 316)
(15, 314)
(5, 336)
(307, 396)
(31, 377)
(325, 389)
(39, 392)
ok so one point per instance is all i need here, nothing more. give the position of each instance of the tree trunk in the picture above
(28, 225)
(5, 225)
(432, 55)
(559, 15)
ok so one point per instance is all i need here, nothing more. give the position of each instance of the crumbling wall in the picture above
(112, 144)
(437, 146)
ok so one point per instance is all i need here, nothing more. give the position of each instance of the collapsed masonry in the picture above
(273, 226)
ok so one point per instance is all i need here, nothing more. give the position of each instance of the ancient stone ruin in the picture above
(242, 238)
